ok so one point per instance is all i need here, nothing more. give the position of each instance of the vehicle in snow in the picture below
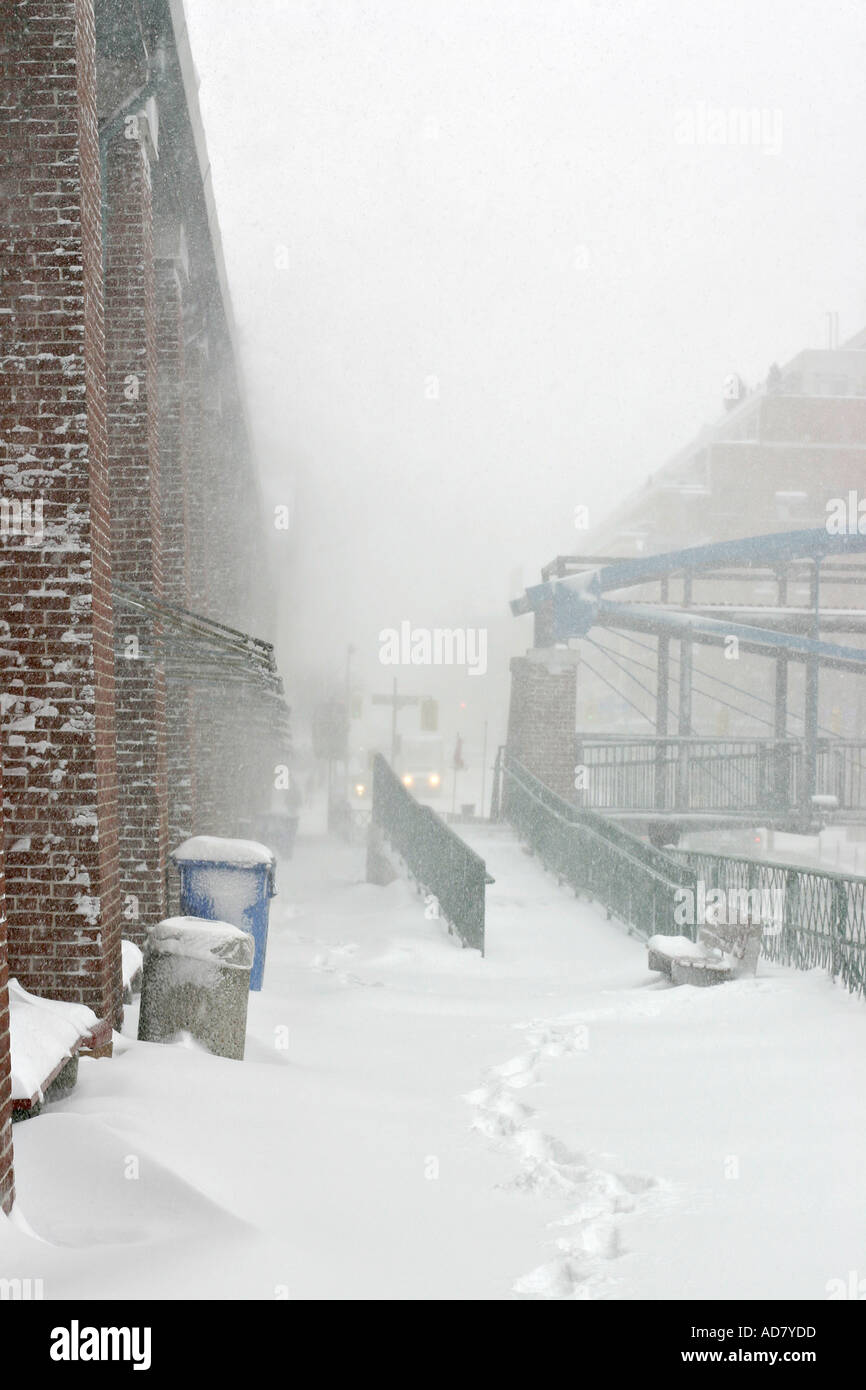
(360, 785)
(421, 763)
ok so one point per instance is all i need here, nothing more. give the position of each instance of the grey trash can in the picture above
(196, 979)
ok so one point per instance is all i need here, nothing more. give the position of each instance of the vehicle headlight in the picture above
(360, 788)
(408, 779)
(434, 779)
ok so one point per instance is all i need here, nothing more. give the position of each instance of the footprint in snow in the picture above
(599, 1198)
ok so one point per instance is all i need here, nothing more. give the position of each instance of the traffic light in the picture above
(429, 716)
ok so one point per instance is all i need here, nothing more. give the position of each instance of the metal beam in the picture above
(663, 679)
(768, 550)
(810, 720)
(781, 761)
(713, 632)
(684, 724)
(565, 566)
(778, 619)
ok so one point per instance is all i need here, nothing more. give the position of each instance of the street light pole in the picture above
(484, 771)
(350, 650)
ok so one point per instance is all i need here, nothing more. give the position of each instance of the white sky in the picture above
(491, 192)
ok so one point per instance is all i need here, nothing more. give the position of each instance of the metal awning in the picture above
(198, 651)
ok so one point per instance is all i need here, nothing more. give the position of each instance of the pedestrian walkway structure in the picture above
(622, 619)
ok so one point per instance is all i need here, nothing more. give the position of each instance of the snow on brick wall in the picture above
(57, 715)
(136, 531)
(177, 435)
(86, 848)
(195, 370)
(171, 368)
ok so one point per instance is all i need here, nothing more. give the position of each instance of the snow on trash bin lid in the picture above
(213, 849)
(197, 938)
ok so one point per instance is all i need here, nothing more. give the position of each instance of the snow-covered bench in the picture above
(720, 953)
(47, 1036)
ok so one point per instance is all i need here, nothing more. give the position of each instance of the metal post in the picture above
(782, 773)
(684, 727)
(484, 771)
(349, 651)
(496, 793)
(662, 693)
(394, 727)
(810, 731)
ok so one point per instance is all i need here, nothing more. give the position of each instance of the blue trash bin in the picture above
(229, 881)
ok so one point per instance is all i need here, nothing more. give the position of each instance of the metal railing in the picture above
(732, 774)
(812, 917)
(816, 918)
(437, 859)
(635, 882)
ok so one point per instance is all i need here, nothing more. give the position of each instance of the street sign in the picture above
(398, 700)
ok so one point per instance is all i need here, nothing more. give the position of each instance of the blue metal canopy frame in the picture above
(578, 604)
(575, 605)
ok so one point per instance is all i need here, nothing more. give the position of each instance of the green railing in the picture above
(636, 883)
(818, 917)
(811, 917)
(722, 774)
(437, 859)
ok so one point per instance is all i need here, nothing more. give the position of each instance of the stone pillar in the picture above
(55, 592)
(136, 526)
(541, 717)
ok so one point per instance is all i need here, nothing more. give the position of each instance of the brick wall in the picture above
(58, 721)
(120, 418)
(175, 434)
(7, 1183)
(220, 553)
(171, 367)
(817, 419)
(541, 721)
(136, 529)
(196, 441)
(821, 472)
(210, 538)
(219, 761)
(234, 760)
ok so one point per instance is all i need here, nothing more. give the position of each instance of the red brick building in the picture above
(135, 710)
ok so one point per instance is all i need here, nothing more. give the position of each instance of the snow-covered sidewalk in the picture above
(413, 1122)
